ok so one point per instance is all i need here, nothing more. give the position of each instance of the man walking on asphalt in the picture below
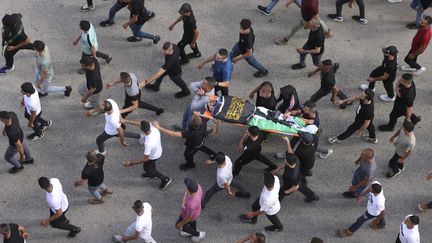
(222, 70)
(337, 17)
(117, 6)
(408, 230)
(90, 88)
(138, 16)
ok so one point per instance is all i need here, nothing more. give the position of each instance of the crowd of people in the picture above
(195, 128)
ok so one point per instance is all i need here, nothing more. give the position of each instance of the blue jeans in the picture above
(235, 51)
(316, 58)
(187, 116)
(417, 6)
(355, 180)
(97, 190)
(273, 3)
(114, 9)
(136, 30)
(363, 218)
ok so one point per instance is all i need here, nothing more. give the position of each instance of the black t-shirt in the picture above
(195, 137)
(407, 96)
(328, 79)
(269, 103)
(247, 41)
(189, 25)
(390, 67)
(94, 173)
(290, 100)
(137, 8)
(253, 146)
(306, 152)
(11, 31)
(94, 78)
(172, 63)
(291, 176)
(316, 39)
(365, 112)
(14, 131)
(16, 236)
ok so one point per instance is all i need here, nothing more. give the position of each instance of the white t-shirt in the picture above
(224, 174)
(152, 144)
(57, 199)
(112, 121)
(32, 103)
(143, 223)
(269, 200)
(409, 235)
(376, 204)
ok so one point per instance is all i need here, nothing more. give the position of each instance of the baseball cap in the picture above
(191, 185)
(306, 137)
(392, 50)
(137, 204)
(185, 8)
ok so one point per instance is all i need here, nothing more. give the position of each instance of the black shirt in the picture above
(270, 102)
(94, 173)
(246, 41)
(94, 77)
(11, 30)
(189, 25)
(364, 112)
(328, 79)
(390, 67)
(137, 8)
(253, 146)
(316, 39)
(291, 176)
(407, 96)
(14, 131)
(195, 137)
(15, 236)
(172, 63)
(290, 100)
(306, 152)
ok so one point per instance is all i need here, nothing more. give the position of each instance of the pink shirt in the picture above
(192, 204)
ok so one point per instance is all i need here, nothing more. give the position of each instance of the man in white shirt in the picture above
(141, 228)
(408, 230)
(33, 111)
(152, 152)
(112, 125)
(375, 210)
(224, 180)
(267, 203)
(58, 204)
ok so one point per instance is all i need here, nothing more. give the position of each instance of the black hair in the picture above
(409, 126)
(44, 183)
(145, 126)
(369, 94)
(316, 240)
(28, 88)
(107, 106)
(310, 104)
(84, 25)
(39, 45)
(253, 130)
(210, 81)
(407, 76)
(124, 75)
(376, 188)
(428, 19)
(223, 52)
(291, 158)
(269, 179)
(260, 238)
(245, 24)
(220, 158)
(414, 219)
(167, 45)
(5, 114)
(327, 62)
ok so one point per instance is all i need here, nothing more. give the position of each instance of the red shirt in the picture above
(421, 39)
(309, 9)
(192, 204)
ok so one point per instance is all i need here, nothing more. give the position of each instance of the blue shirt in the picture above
(89, 40)
(222, 71)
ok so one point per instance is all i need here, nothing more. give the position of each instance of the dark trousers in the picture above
(186, 40)
(150, 170)
(37, 123)
(305, 190)
(394, 165)
(273, 218)
(429, 205)
(189, 228)
(141, 105)
(412, 62)
(215, 189)
(60, 222)
(223, 90)
(177, 80)
(191, 151)
(9, 55)
(100, 140)
(90, 2)
(98, 54)
(323, 92)
(388, 85)
(246, 157)
(398, 111)
(363, 218)
(360, 4)
(397, 239)
(356, 126)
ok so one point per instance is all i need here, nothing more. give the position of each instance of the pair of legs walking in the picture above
(38, 123)
(274, 219)
(191, 151)
(215, 189)
(246, 157)
(10, 153)
(354, 127)
(186, 40)
(100, 140)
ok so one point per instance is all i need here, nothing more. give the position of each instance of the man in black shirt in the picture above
(190, 33)
(404, 103)
(94, 174)
(172, 68)
(194, 136)
(138, 16)
(305, 146)
(92, 86)
(314, 44)
(328, 71)
(15, 135)
(244, 49)
(14, 38)
(13, 233)
(251, 146)
(385, 73)
(363, 119)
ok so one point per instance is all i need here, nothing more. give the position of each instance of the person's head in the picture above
(196, 122)
(84, 25)
(266, 90)
(191, 185)
(390, 52)
(375, 188)
(222, 55)
(268, 180)
(367, 95)
(291, 159)
(406, 80)
(425, 22)
(45, 184)
(39, 46)
(367, 154)
(167, 48)
(245, 25)
(306, 137)
(408, 126)
(27, 89)
(106, 106)
(145, 127)
(125, 77)
(313, 24)
(8, 21)
(309, 107)
(86, 63)
(326, 65)
(220, 158)
(5, 116)
(5, 229)
(412, 221)
(91, 157)
(138, 207)
(258, 238)
(253, 131)
(208, 84)
(185, 9)
(316, 240)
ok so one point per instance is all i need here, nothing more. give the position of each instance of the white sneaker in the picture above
(419, 71)
(184, 234)
(86, 7)
(88, 105)
(117, 238)
(407, 68)
(325, 155)
(394, 1)
(385, 98)
(141, 140)
(97, 152)
(280, 155)
(365, 87)
(200, 237)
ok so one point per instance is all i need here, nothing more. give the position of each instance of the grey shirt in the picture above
(366, 169)
(404, 143)
(133, 89)
(44, 63)
(198, 102)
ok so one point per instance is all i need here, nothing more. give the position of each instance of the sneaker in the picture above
(134, 39)
(14, 170)
(281, 41)
(95, 201)
(407, 68)
(160, 111)
(385, 98)
(42, 94)
(178, 127)
(117, 238)
(146, 176)
(312, 199)
(27, 161)
(200, 237)
(88, 105)
(260, 74)
(34, 136)
(325, 155)
(333, 140)
(263, 10)
(186, 166)
(272, 228)
(385, 128)
(48, 124)
(156, 39)
(194, 55)
(107, 191)
(335, 18)
(377, 226)
(241, 195)
(243, 218)
(349, 194)
(298, 66)
(106, 23)
(152, 87)
(5, 70)
(365, 86)
(87, 7)
(280, 155)
(103, 153)
(68, 91)
(74, 232)
(344, 233)
(165, 183)
(182, 94)
(415, 120)
(392, 174)
(412, 26)
(109, 59)
(419, 71)
(394, 1)
(370, 140)
(184, 234)
(360, 20)
(423, 207)
(152, 15)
